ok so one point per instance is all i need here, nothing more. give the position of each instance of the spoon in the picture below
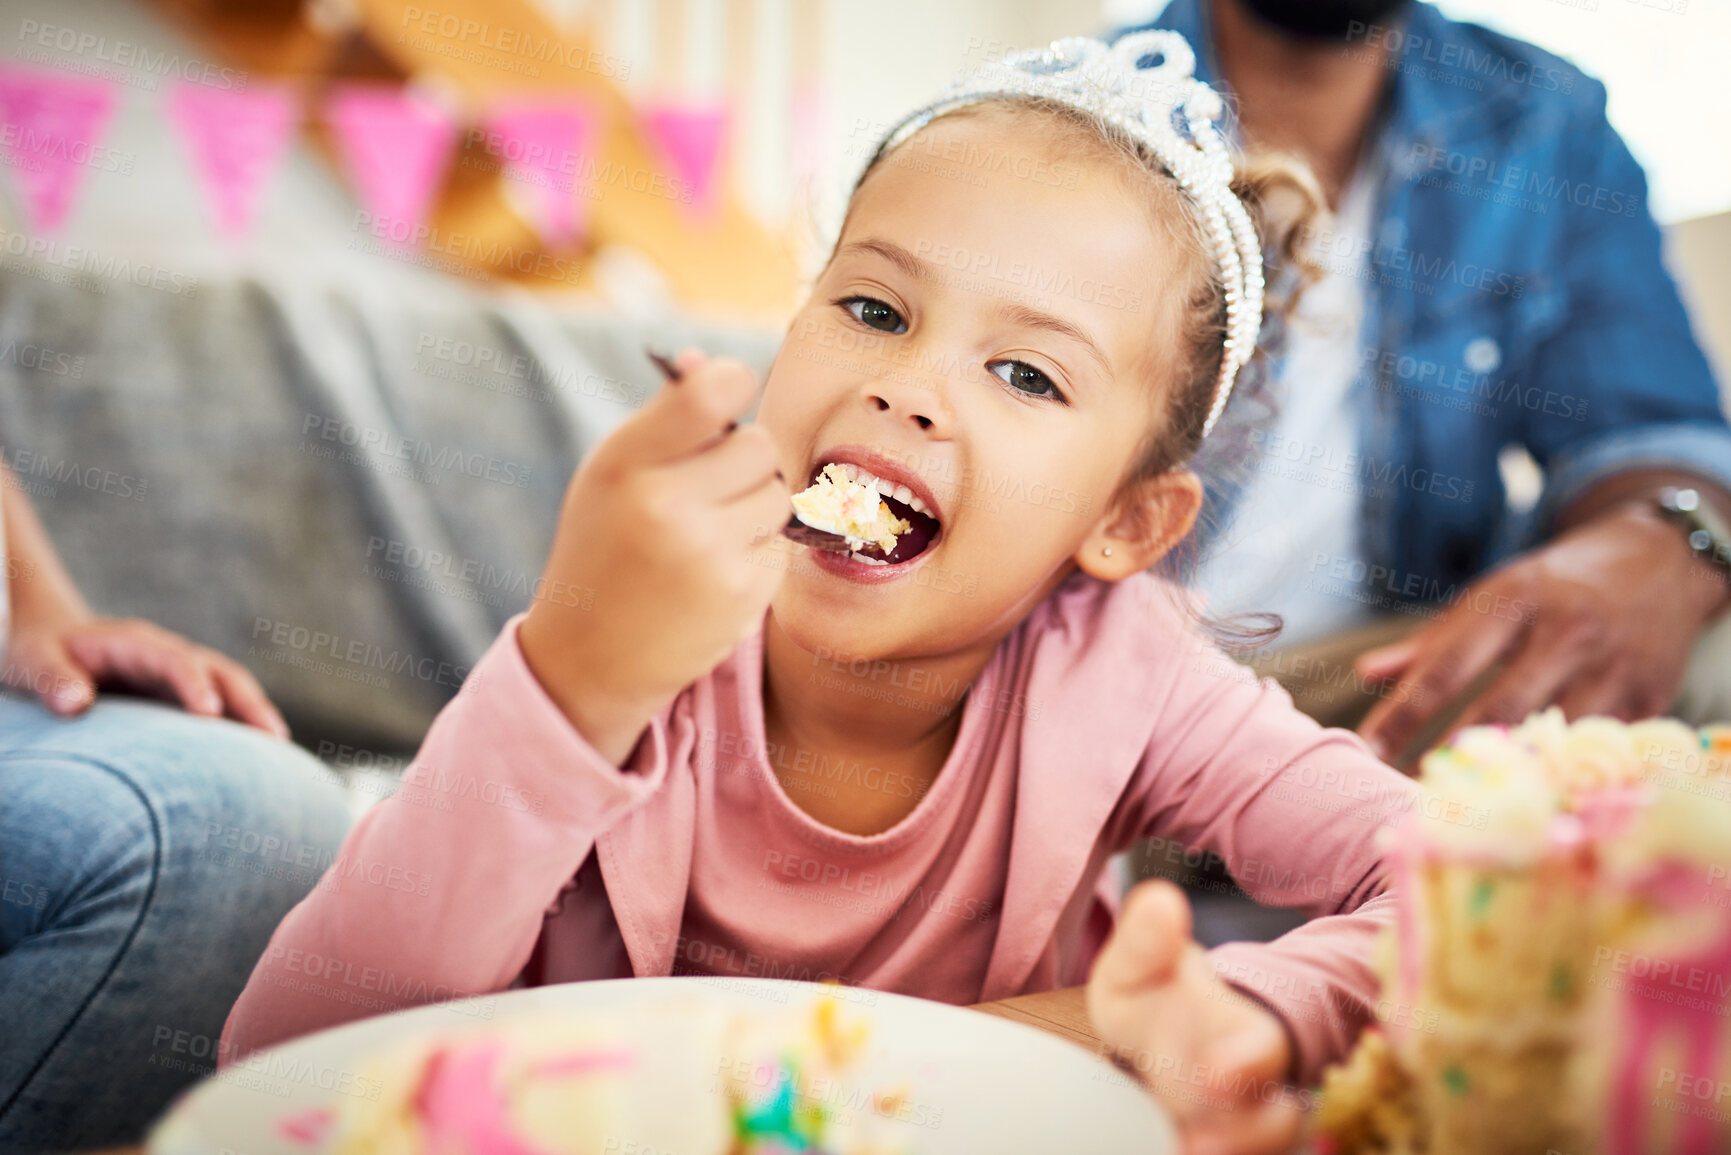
(798, 531)
(795, 529)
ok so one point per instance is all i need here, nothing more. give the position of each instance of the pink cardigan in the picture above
(514, 853)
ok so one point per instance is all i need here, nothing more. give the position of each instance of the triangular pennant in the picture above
(395, 147)
(49, 127)
(236, 140)
(689, 138)
(543, 144)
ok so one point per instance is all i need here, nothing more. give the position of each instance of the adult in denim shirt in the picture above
(1515, 295)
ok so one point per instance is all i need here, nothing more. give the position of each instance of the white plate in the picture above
(987, 1085)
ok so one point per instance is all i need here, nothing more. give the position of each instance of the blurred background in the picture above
(309, 307)
(699, 147)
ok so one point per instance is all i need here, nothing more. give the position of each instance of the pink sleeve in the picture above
(440, 890)
(1236, 773)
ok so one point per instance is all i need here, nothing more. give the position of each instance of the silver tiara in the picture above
(1164, 107)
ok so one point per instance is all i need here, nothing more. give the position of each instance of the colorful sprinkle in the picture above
(1480, 902)
(1455, 1080)
(784, 1123)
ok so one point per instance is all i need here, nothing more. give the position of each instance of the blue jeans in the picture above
(145, 858)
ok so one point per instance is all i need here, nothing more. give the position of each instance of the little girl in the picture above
(708, 750)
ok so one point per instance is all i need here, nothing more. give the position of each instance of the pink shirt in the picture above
(515, 852)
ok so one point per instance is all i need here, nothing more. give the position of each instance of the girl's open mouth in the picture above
(882, 519)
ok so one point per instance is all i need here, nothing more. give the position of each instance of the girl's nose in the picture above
(920, 402)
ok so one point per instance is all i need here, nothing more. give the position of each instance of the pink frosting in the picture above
(583, 1062)
(1408, 850)
(463, 1110)
(307, 1128)
(1651, 1021)
(461, 1107)
(1608, 812)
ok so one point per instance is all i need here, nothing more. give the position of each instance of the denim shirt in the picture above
(1515, 295)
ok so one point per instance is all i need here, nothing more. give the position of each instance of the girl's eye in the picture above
(1024, 378)
(872, 312)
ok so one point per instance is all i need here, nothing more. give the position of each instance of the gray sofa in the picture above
(347, 492)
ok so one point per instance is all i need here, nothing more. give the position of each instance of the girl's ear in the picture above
(1145, 520)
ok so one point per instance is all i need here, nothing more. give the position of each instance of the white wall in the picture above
(886, 57)
(1663, 63)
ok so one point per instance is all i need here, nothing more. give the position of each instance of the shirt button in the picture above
(1482, 355)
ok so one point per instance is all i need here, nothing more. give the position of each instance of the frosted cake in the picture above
(1559, 977)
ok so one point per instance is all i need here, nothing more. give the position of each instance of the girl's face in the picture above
(995, 332)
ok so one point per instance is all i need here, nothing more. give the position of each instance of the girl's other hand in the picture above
(667, 553)
(62, 663)
(1215, 1059)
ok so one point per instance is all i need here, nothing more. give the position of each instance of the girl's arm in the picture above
(664, 558)
(440, 890)
(1292, 811)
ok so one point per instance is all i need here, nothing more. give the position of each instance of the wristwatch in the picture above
(1709, 536)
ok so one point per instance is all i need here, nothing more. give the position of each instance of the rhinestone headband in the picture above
(1164, 108)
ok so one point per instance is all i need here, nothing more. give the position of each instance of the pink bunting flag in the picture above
(236, 140)
(396, 147)
(50, 123)
(689, 138)
(543, 145)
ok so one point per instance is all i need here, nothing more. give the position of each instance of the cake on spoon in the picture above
(837, 503)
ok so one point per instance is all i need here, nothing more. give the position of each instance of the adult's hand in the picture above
(1598, 621)
(62, 661)
(59, 651)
